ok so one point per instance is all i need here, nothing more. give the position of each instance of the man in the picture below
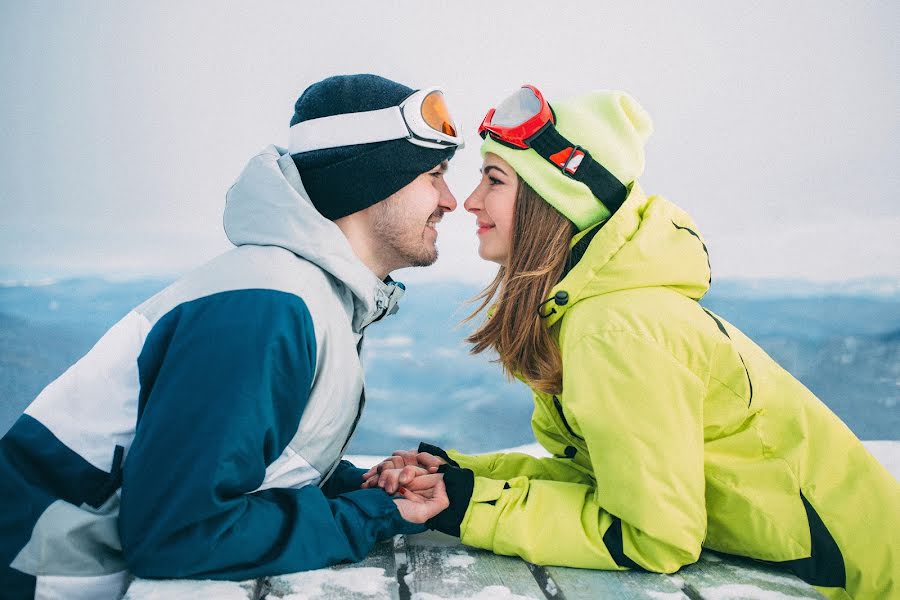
(202, 436)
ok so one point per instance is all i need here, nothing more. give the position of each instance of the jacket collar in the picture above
(268, 206)
(648, 242)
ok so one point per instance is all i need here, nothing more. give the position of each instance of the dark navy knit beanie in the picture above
(341, 181)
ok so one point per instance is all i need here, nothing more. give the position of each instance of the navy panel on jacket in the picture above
(224, 381)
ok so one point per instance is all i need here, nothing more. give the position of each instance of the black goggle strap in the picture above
(575, 162)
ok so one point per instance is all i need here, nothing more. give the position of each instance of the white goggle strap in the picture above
(348, 129)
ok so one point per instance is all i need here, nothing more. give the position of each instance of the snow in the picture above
(665, 595)
(763, 575)
(491, 592)
(145, 589)
(459, 561)
(326, 583)
(744, 592)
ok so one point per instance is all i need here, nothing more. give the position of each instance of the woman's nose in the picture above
(473, 203)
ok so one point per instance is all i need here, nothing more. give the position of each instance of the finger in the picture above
(394, 478)
(384, 465)
(394, 462)
(425, 482)
(370, 472)
(387, 480)
(410, 472)
(430, 460)
(411, 496)
(426, 494)
(408, 456)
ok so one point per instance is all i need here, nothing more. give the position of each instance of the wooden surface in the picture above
(433, 566)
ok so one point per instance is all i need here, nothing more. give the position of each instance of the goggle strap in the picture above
(348, 129)
(603, 184)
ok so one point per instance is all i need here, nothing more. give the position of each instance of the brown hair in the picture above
(538, 253)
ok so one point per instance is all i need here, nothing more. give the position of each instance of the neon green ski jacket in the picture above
(675, 432)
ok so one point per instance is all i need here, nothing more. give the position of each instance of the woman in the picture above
(670, 430)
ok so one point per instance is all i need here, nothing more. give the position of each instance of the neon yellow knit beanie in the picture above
(611, 125)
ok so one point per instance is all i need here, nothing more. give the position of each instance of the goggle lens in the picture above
(437, 115)
(516, 109)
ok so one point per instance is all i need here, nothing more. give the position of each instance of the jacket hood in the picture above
(268, 206)
(648, 242)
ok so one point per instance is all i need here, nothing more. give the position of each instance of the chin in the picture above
(494, 257)
(426, 258)
(500, 260)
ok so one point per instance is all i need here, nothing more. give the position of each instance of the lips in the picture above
(484, 227)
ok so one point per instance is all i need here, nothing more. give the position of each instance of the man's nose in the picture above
(447, 200)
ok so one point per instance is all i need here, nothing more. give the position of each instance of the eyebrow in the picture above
(486, 169)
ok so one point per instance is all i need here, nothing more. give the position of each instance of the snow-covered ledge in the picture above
(433, 566)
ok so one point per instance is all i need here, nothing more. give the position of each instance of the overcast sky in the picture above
(123, 123)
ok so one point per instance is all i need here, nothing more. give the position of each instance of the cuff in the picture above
(460, 483)
(383, 515)
(346, 478)
(430, 449)
(480, 522)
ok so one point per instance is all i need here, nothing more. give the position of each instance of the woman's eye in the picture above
(494, 180)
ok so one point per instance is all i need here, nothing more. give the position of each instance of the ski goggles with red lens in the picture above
(525, 120)
(422, 119)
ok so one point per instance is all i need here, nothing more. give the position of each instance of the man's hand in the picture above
(399, 460)
(423, 498)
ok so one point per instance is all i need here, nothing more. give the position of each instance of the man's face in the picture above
(405, 222)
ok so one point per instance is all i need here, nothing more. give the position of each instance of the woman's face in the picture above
(493, 203)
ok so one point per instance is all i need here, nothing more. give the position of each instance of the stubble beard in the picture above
(402, 239)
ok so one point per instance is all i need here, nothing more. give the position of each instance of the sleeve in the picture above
(640, 410)
(224, 381)
(347, 477)
(506, 465)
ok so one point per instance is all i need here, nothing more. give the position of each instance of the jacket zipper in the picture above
(562, 416)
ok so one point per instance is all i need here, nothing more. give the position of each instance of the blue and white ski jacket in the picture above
(202, 435)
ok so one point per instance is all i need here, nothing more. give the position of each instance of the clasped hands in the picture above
(412, 478)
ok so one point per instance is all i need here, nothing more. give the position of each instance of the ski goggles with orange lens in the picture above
(525, 120)
(422, 119)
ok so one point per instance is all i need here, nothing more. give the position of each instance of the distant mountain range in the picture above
(842, 341)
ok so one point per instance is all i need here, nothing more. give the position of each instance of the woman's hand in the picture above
(423, 498)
